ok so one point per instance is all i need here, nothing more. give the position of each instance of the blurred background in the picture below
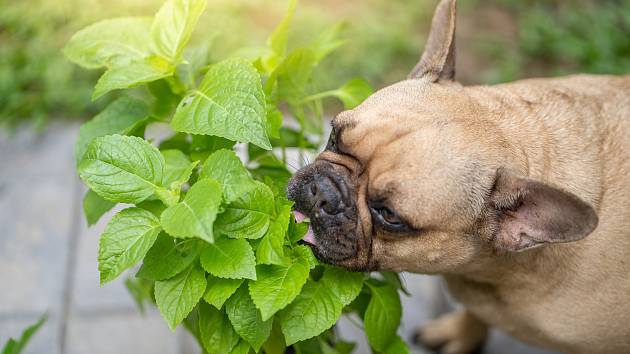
(47, 253)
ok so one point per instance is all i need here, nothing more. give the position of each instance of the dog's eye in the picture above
(387, 218)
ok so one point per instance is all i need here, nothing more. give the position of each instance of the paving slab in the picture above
(121, 333)
(37, 191)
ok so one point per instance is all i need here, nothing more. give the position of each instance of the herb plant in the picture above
(208, 217)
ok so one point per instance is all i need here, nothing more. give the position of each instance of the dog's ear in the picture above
(438, 60)
(531, 213)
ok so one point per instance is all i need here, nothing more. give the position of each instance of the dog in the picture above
(518, 194)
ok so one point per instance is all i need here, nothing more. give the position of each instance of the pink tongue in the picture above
(299, 217)
(310, 236)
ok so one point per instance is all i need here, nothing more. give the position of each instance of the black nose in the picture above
(325, 195)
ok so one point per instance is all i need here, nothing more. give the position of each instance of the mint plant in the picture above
(212, 228)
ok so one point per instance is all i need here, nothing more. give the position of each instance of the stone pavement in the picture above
(48, 264)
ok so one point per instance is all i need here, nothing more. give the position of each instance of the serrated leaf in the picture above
(270, 249)
(248, 216)
(278, 285)
(353, 92)
(177, 296)
(225, 167)
(382, 316)
(219, 290)
(229, 103)
(345, 285)
(114, 42)
(131, 75)
(215, 329)
(94, 207)
(246, 319)
(125, 241)
(168, 257)
(123, 116)
(229, 258)
(122, 169)
(195, 215)
(241, 348)
(178, 168)
(172, 27)
(204, 145)
(320, 304)
(315, 310)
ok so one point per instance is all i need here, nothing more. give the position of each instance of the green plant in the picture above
(17, 346)
(219, 246)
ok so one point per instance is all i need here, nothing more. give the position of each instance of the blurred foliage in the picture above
(498, 41)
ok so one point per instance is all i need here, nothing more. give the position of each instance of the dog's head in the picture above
(414, 179)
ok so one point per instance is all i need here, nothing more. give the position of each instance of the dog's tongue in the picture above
(309, 237)
(299, 217)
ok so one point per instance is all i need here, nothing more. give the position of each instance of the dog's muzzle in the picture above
(322, 191)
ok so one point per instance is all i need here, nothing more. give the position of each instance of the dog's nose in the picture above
(325, 195)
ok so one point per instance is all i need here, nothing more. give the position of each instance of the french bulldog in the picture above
(518, 194)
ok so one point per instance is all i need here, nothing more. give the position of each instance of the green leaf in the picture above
(122, 169)
(345, 285)
(294, 75)
(279, 38)
(353, 92)
(220, 289)
(246, 319)
(248, 216)
(204, 145)
(225, 167)
(241, 348)
(177, 296)
(168, 257)
(172, 27)
(312, 312)
(94, 207)
(397, 346)
(278, 285)
(16, 346)
(275, 344)
(217, 334)
(123, 116)
(382, 316)
(131, 75)
(297, 230)
(125, 241)
(114, 42)
(229, 103)
(270, 249)
(195, 215)
(229, 258)
(327, 41)
(319, 305)
(178, 169)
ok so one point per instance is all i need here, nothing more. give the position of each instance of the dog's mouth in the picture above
(309, 237)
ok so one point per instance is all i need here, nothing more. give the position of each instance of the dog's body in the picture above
(572, 132)
(496, 188)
